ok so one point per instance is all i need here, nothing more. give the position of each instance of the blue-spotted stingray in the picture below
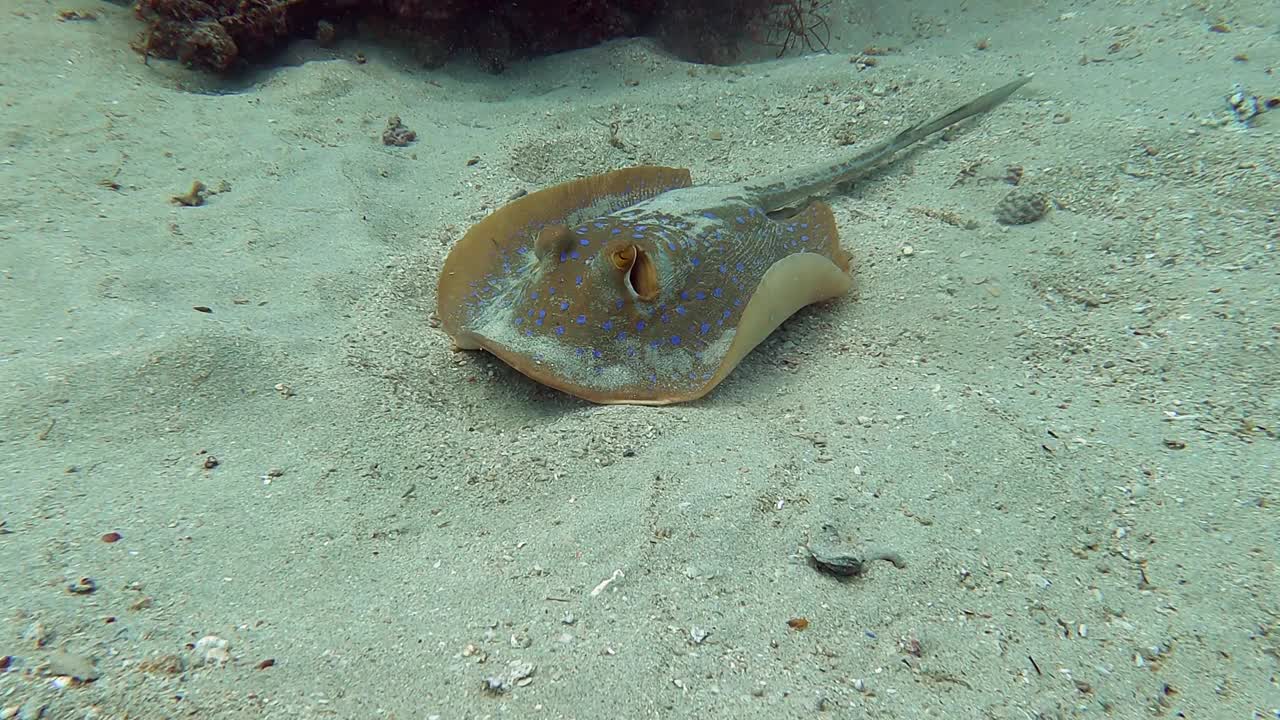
(637, 286)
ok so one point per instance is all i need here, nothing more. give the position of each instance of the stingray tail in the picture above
(788, 189)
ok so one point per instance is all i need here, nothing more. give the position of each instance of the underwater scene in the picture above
(639, 359)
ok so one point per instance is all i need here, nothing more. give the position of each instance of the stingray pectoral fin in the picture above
(790, 284)
(466, 341)
(552, 240)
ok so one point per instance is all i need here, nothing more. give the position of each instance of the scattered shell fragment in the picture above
(1020, 207)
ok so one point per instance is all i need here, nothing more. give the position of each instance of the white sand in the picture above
(1001, 407)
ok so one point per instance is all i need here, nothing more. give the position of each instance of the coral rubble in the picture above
(223, 35)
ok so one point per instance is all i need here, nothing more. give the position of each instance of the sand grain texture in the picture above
(1066, 429)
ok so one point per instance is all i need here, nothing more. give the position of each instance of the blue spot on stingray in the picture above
(804, 226)
(695, 261)
(791, 228)
(684, 294)
(640, 326)
(638, 236)
(622, 335)
(574, 255)
(751, 212)
(538, 322)
(618, 304)
(564, 304)
(641, 228)
(608, 325)
(581, 320)
(579, 352)
(542, 313)
(739, 267)
(680, 309)
(521, 250)
(701, 295)
(654, 343)
(601, 225)
(804, 238)
(519, 321)
(709, 215)
(616, 231)
(724, 269)
(584, 242)
(726, 314)
(671, 246)
(597, 354)
(704, 328)
(551, 290)
(740, 219)
(559, 329)
(577, 280)
(534, 295)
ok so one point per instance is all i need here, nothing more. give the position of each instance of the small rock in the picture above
(76, 667)
(518, 674)
(1021, 207)
(210, 650)
(83, 586)
(832, 555)
(37, 633)
(397, 134)
(169, 664)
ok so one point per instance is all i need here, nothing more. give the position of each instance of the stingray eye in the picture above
(641, 273)
(623, 258)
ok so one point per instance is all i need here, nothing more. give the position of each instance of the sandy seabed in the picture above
(1067, 430)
